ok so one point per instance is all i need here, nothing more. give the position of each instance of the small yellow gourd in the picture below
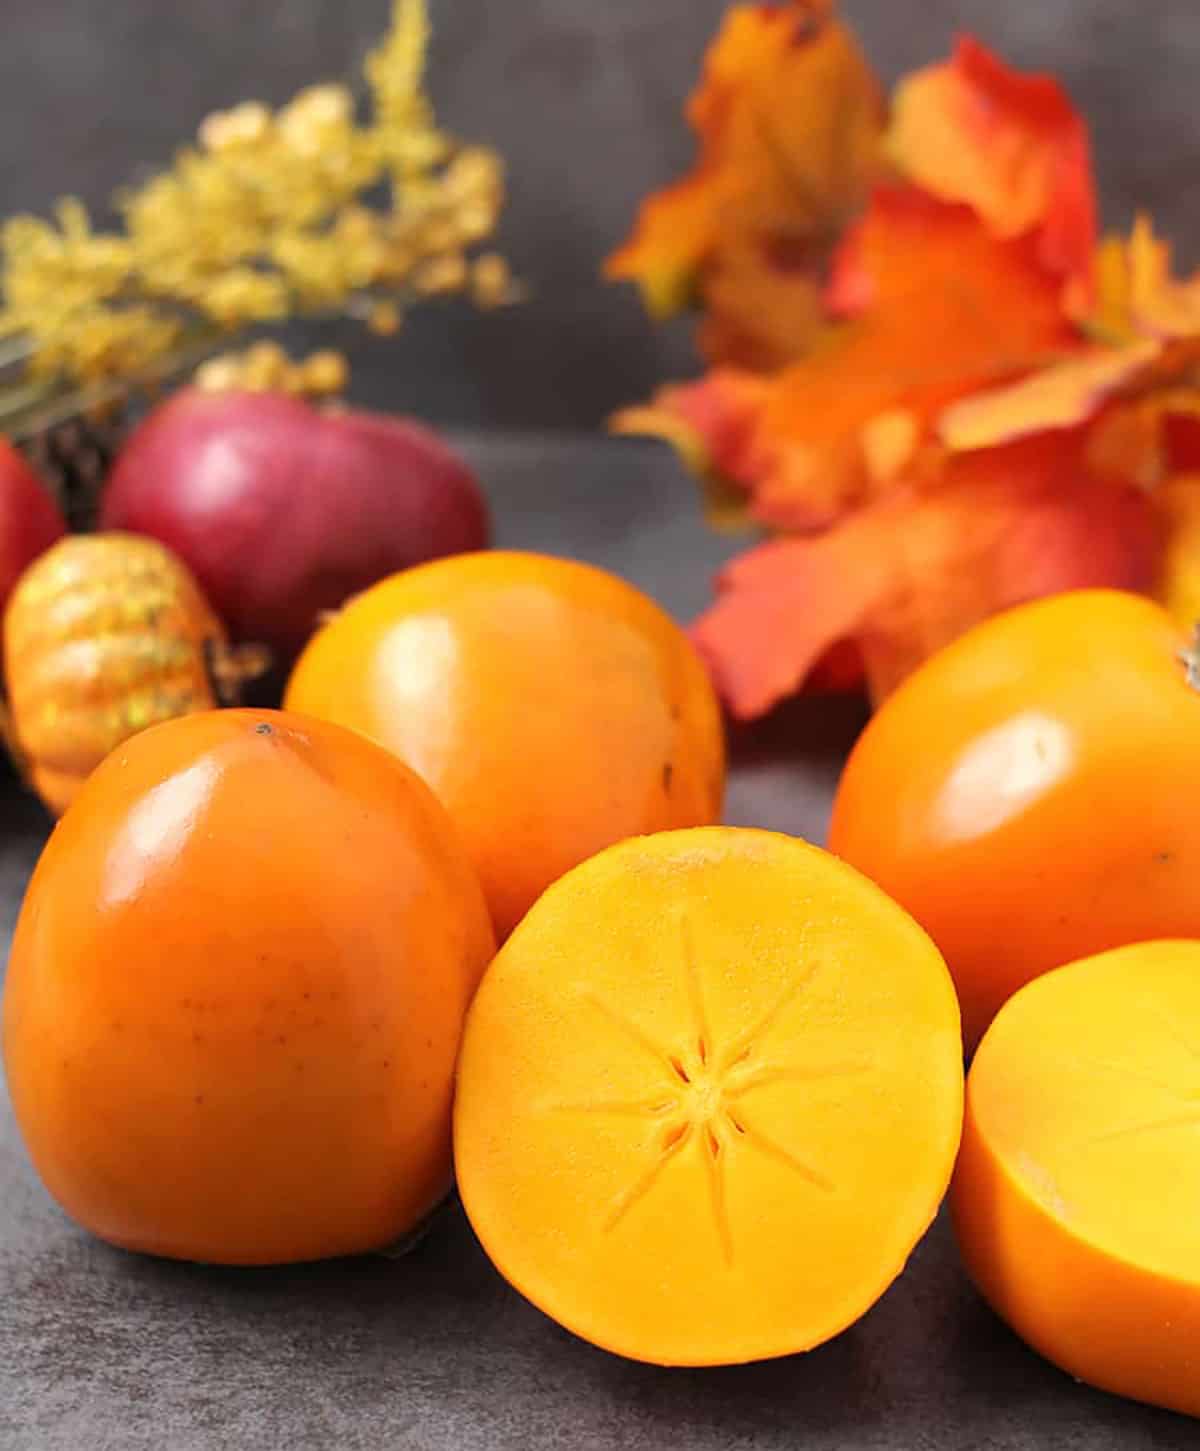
(104, 635)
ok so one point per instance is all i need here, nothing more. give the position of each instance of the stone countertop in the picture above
(434, 1352)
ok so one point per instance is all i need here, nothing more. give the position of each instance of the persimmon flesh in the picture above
(1076, 1191)
(236, 993)
(709, 1097)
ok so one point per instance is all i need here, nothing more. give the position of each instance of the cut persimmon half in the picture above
(709, 1097)
(1077, 1196)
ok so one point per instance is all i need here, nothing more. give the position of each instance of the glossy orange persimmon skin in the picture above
(553, 708)
(236, 993)
(1029, 795)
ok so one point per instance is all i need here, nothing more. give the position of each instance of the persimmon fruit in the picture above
(709, 1097)
(1075, 1195)
(1029, 794)
(553, 708)
(236, 993)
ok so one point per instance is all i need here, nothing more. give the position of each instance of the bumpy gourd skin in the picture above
(709, 1097)
(1029, 795)
(236, 993)
(553, 709)
(1075, 1194)
(104, 635)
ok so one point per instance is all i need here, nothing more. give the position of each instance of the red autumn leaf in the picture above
(1181, 440)
(789, 120)
(913, 260)
(944, 308)
(906, 575)
(1009, 145)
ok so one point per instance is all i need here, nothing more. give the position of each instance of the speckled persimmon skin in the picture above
(236, 993)
(553, 708)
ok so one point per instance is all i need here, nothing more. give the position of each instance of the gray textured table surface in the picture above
(102, 1350)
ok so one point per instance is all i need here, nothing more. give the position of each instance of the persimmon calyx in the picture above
(231, 667)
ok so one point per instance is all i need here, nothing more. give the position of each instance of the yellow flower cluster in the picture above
(261, 219)
(265, 367)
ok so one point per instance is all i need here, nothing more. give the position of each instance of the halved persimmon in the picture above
(709, 1097)
(1075, 1197)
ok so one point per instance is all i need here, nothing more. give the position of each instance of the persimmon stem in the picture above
(229, 667)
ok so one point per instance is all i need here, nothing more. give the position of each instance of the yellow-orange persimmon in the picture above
(553, 708)
(1074, 1198)
(236, 993)
(709, 1097)
(1029, 794)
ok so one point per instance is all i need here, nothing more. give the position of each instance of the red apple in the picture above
(283, 510)
(30, 520)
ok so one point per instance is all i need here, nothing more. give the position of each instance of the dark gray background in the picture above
(584, 98)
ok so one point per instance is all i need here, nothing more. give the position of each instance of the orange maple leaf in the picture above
(1060, 397)
(943, 307)
(1009, 145)
(789, 119)
(711, 425)
(1133, 291)
(1150, 326)
(967, 413)
(906, 575)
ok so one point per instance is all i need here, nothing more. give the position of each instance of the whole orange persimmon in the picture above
(236, 993)
(1030, 794)
(553, 708)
